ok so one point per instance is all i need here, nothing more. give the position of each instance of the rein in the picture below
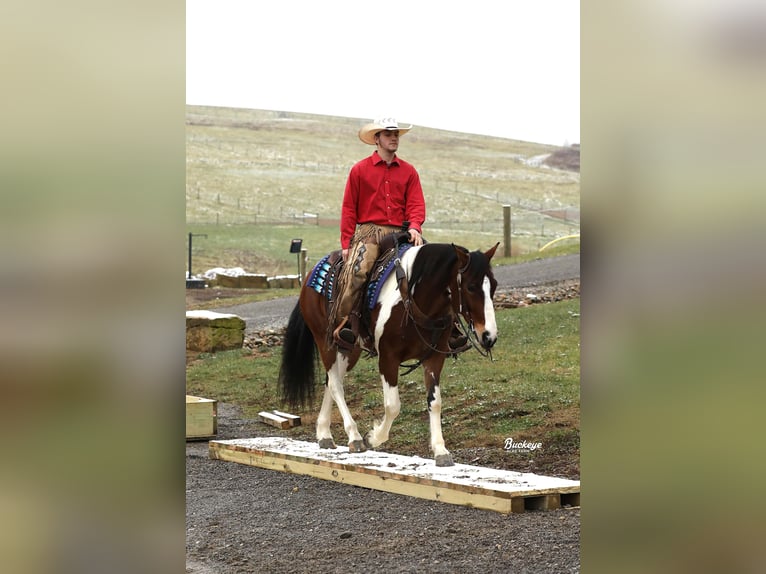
(418, 318)
(472, 339)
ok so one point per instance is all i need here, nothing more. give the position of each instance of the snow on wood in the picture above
(491, 489)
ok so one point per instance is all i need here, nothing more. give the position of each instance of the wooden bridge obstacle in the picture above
(474, 486)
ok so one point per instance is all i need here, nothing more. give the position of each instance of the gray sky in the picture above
(508, 68)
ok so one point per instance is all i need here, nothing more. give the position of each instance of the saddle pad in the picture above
(383, 268)
(322, 279)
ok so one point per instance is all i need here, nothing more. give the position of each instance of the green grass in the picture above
(265, 249)
(243, 296)
(531, 389)
(257, 248)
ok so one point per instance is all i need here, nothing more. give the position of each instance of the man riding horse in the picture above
(382, 192)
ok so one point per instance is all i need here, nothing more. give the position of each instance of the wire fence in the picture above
(542, 227)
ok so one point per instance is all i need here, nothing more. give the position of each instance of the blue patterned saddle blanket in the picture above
(323, 277)
(324, 274)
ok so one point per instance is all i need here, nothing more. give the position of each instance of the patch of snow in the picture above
(230, 272)
(201, 314)
(536, 160)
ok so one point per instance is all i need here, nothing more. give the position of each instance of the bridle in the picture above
(437, 325)
(467, 330)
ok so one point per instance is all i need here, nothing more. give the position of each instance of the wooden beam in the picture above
(295, 420)
(466, 485)
(274, 420)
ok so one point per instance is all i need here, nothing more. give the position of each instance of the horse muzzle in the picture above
(488, 340)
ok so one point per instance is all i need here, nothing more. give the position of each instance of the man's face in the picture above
(389, 140)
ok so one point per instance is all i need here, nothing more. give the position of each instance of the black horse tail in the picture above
(299, 359)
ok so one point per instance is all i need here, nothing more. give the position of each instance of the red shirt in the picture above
(381, 194)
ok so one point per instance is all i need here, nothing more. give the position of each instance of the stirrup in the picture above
(347, 336)
(345, 340)
(344, 337)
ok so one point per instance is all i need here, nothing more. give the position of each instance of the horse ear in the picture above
(462, 256)
(491, 252)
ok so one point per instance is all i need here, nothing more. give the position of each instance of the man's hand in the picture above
(415, 237)
(344, 254)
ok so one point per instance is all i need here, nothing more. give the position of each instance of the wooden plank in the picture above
(201, 418)
(295, 420)
(473, 486)
(274, 420)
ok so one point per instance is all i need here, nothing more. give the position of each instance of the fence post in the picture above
(304, 257)
(506, 231)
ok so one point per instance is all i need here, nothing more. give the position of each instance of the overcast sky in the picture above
(508, 68)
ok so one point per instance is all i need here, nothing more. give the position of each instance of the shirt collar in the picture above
(376, 159)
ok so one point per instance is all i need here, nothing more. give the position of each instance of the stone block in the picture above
(207, 331)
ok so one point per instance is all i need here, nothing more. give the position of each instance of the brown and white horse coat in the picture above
(411, 320)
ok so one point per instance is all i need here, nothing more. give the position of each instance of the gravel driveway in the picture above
(242, 519)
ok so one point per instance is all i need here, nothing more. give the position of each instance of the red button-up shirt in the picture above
(381, 194)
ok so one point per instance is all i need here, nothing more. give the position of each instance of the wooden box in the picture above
(201, 418)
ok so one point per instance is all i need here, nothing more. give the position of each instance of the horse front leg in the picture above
(391, 407)
(432, 371)
(335, 388)
(324, 435)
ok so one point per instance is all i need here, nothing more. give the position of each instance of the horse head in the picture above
(476, 286)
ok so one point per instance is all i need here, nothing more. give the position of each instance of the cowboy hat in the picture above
(368, 131)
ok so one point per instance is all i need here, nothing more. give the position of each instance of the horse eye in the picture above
(471, 287)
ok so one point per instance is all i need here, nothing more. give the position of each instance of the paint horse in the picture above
(435, 287)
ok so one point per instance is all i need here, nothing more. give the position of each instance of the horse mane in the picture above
(435, 261)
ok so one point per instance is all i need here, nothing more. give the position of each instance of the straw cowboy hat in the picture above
(368, 131)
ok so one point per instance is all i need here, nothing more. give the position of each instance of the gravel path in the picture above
(242, 519)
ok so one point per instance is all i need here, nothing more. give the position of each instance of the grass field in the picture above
(256, 179)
